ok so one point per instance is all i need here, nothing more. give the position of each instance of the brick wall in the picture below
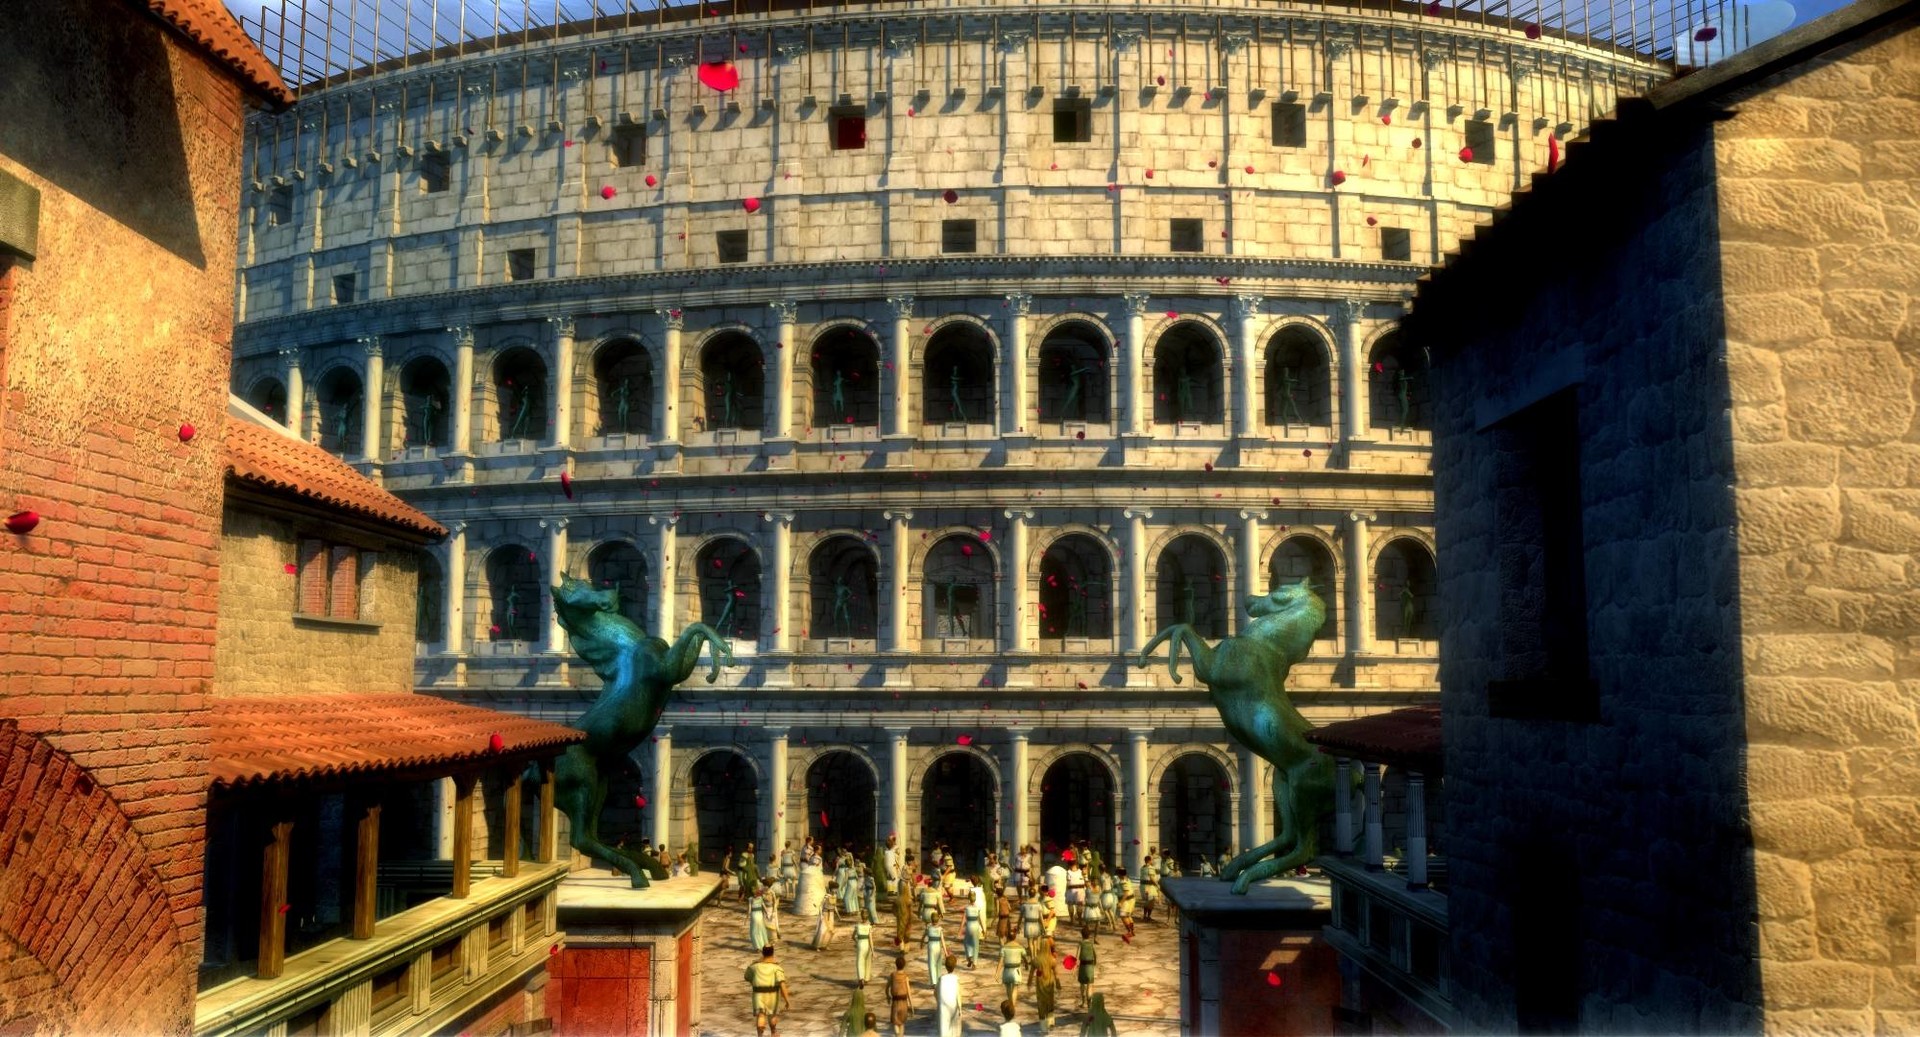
(118, 335)
(1821, 229)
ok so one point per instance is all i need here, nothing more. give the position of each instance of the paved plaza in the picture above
(1141, 980)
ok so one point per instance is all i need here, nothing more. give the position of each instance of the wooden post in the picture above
(510, 850)
(549, 826)
(274, 854)
(462, 834)
(366, 867)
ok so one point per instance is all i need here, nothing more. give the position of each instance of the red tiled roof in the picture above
(212, 27)
(1410, 737)
(265, 458)
(263, 738)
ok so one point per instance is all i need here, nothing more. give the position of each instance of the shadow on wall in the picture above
(128, 159)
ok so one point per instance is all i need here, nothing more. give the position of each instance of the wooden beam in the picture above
(366, 867)
(462, 834)
(549, 825)
(275, 852)
(510, 805)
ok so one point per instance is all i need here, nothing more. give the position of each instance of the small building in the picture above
(1676, 479)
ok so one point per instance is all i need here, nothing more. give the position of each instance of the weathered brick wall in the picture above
(1820, 216)
(118, 335)
(262, 650)
(1623, 838)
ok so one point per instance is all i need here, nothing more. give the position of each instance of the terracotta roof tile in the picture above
(265, 458)
(212, 27)
(1409, 737)
(263, 738)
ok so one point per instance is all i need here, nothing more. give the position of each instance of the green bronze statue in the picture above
(638, 673)
(1246, 678)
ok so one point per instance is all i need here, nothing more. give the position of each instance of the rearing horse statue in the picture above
(1246, 678)
(638, 674)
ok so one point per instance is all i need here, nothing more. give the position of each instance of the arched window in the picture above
(269, 397)
(1073, 374)
(429, 619)
(1192, 586)
(520, 387)
(846, 379)
(1397, 381)
(513, 594)
(733, 382)
(845, 589)
(425, 397)
(730, 588)
(618, 565)
(342, 412)
(958, 383)
(957, 595)
(1299, 383)
(1303, 558)
(1188, 383)
(623, 388)
(1404, 592)
(1076, 589)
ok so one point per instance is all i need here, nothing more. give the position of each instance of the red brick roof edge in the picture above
(1409, 736)
(214, 30)
(262, 457)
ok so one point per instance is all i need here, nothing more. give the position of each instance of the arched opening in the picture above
(1191, 586)
(1196, 810)
(958, 377)
(1404, 599)
(618, 565)
(1073, 374)
(840, 802)
(730, 587)
(520, 393)
(269, 397)
(1076, 802)
(623, 388)
(957, 595)
(1299, 382)
(1304, 558)
(513, 594)
(1397, 382)
(425, 396)
(726, 804)
(959, 809)
(342, 412)
(1076, 589)
(429, 617)
(846, 379)
(733, 383)
(1188, 383)
(845, 589)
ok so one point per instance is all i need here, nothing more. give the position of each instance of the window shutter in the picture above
(313, 578)
(345, 578)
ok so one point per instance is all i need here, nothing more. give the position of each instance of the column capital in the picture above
(898, 734)
(662, 732)
(779, 518)
(897, 516)
(1253, 516)
(785, 311)
(462, 335)
(1138, 513)
(1362, 516)
(665, 522)
(673, 319)
(1349, 311)
(1019, 514)
(562, 326)
(1019, 303)
(291, 355)
(1136, 303)
(1019, 732)
(555, 525)
(1137, 736)
(901, 305)
(372, 344)
(457, 528)
(776, 734)
(1246, 305)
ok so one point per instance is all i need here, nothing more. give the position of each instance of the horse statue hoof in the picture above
(640, 881)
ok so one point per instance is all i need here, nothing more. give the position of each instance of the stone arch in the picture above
(833, 556)
(1040, 540)
(959, 375)
(426, 401)
(623, 366)
(340, 408)
(1037, 770)
(1300, 348)
(517, 385)
(960, 559)
(1076, 599)
(267, 393)
(619, 564)
(916, 778)
(1208, 812)
(1226, 760)
(729, 583)
(512, 591)
(1043, 326)
(1312, 555)
(130, 972)
(730, 366)
(1193, 349)
(1394, 365)
(935, 325)
(1192, 577)
(430, 598)
(968, 816)
(1091, 814)
(849, 351)
(1070, 349)
(1406, 583)
(827, 793)
(724, 811)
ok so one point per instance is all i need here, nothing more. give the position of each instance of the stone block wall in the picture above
(1820, 222)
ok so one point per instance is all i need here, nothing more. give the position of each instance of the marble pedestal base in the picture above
(631, 964)
(1233, 948)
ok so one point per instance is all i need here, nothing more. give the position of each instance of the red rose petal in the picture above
(640, 801)
(964, 740)
(1371, 222)
(1434, 7)
(1386, 120)
(1082, 685)
(22, 521)
(1706, 35)
(1069, 962)
(1173, 314)
(186, 433)
(1162, 80)
(1553, 152)
(495, 743)
(1416, 142)
(566, 143)
(1466, 154)
(292, 568)
(1379, 368)
(494, 630)
(608, 191)
(1306, 453)
(1533, 30)
(750, 204)
(1112, 188)
(966, 550)
(1209, 466)
(720, 75)
(951, 196)
(1249, 170)
(566, 484)
(1149, 174)
(651, 182)
(283, 908)
(1338, 178)
(1079, 435)
(743, 48)
(1273, 978)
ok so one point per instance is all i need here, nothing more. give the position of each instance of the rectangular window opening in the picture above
(849, 128)
(280, 207)
(436, 172)
(629, 145)
(520, 264)
(1480, 141)
(343, 286)
(959, 236)
(1072, 120)
(1186, 235)
(1289, 124)
(732, 245)
(1396, 244)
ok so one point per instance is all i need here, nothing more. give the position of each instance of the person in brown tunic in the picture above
(1046, 980)
(1004, 919)
(900, 990)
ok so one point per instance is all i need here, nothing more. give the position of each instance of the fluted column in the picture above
(562, 380)
(663, 575)
(1353, 415)
(462, 389)
(776, 793)
(1138, 838)
(669, 377)
(1253, 582)
(662, 783)
(1359, 584)
(1343, 806)
(296, 393)
(1252, 819)
(1137, 375)
(1246, 313)
(897, 785)
(454, 612)
(1019, 304)
(897, 533)
(781, 558)
(1376, 825)
(786, 314)
(1020, 774)
(1136, 591)
(556, 564)
(901, 380)
(1016, 583)
(1416, 830)
(370, 399)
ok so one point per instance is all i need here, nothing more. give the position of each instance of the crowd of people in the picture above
(1018, 897)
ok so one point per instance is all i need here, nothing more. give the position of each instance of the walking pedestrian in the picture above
(862, 951)
(749, 875)
(936, 949)
(900, 993)
(1046, 982)
(769, 983)
(1099, 1023)
(974, 925)
(757, 933)
(1089, 953)
(1008, 1028)
(1013, 962)
(947, 997)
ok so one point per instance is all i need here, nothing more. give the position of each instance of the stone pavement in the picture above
(1141, 981)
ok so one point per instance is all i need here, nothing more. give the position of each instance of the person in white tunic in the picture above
(949, 1000)
(826, 927)
(936, 949)
(862, 951)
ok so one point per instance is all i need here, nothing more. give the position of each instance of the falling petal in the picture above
(1149, 174)
(1372, 222)
(1706, 35)
(1416, 142)
(566, 484)
(1553, 152)
(640, 801)
(1338, 178)
(1306, 453)
(720, 75)
(1161, 80)
(1069, 962)
(651, 182)
(607, 191)
(292, 568)
(22, 521)
(964, 740)
(1249, 170)
(1466, 154)
(1386, 120)
(1533, 30)
(186, 433)
(1082, 685)
(750, 204)
(951, 196)
(1213, 163)
(1273, 978)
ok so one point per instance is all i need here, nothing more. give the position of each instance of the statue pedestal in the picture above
(631, 964)
(812, 891)
(1231, 945)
